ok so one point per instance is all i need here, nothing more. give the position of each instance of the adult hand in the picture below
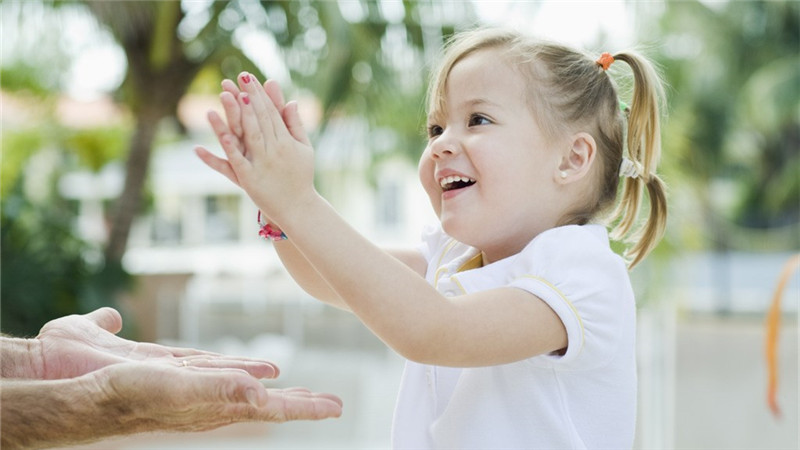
(75, 345)
(163, 397)
(134, 397)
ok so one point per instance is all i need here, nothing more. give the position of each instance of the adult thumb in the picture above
(106, 318)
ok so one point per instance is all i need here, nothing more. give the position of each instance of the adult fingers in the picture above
(294, 404)
(273, 405)
(218, 164)
(227, 386)
(190, 357)
(106, 318)
(305, 392)
(198, 396)
(171, 389)
(257, 368)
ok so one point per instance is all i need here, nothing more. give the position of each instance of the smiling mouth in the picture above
(455, 182)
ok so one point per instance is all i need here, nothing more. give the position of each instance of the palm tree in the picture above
(162, 62)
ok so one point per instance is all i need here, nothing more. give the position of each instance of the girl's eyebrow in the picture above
(471, 103)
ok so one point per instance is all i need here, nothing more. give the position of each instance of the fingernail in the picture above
(246, 99)
(252, 397)
(245, 78)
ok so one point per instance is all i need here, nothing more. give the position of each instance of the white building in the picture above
(196, 252)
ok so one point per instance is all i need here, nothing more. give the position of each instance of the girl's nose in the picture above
(446, 144)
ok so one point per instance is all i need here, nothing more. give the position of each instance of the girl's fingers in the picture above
(288, 111)
(224, 135)
(218, 164)
(273, 91)
(233, 113)
(219, 126)
(267, 102)
(230, 86)
(259, 102)
(292, 120)
(236, 159)
(254, 137)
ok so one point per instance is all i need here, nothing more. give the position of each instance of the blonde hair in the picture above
(568, 90)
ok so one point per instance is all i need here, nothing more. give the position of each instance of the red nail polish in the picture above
(246, 78)
(246, 99)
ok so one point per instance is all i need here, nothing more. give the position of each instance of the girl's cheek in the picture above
(426, 177)
(426, 170)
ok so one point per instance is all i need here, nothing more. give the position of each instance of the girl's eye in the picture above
(434, 130)
(477, 119)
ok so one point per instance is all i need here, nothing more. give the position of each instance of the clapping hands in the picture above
(268, 151)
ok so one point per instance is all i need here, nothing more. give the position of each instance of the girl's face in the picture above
(489, 171)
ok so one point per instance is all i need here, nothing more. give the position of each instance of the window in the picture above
(222, 218)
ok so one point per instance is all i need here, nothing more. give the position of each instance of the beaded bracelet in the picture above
(267, 231)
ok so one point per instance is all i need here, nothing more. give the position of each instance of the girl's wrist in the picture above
(269, 230)
(297, 211)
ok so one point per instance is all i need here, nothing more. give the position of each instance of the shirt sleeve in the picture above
(576, 273)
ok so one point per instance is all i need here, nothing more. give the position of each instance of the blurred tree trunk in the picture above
(130, 200)
(158, 75)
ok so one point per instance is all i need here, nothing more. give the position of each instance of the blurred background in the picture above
(103, 201)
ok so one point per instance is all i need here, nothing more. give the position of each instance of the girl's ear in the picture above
(578, 158)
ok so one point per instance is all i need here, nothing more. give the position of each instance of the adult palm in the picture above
(75, 345)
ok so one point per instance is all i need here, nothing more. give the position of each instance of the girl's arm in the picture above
(315, 285)
(491, 327)
(392, 299)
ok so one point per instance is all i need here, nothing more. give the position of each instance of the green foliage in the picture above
(22, 76)
(17, 150)
(43, 266)
(734, 126)
(96, 147)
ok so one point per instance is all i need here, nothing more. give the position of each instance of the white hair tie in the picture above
(630, 169)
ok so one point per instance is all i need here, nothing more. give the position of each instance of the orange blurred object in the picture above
(773, 326)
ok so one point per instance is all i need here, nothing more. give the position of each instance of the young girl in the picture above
(517, 319)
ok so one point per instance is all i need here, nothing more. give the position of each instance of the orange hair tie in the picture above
(605, 60)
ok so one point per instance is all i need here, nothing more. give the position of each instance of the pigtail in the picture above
(644, 150)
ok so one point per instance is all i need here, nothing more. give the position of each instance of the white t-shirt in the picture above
(585, 398)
